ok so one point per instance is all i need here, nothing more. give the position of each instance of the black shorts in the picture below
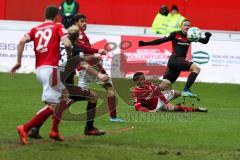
(77, 93)
(70, 79)
(175, 66)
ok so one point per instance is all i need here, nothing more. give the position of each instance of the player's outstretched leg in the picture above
(63, 105)
(112, 106)
(37, 120)
(90, 130)
(189, 109)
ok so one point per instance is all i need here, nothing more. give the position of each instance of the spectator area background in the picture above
(206, 14)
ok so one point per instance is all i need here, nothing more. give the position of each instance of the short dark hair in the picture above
(79, 16)
(174, 7)
(186, 20)
(137, 75)
(51, 12)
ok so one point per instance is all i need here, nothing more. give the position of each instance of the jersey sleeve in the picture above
(30, 34)
(62, 32)
(76, 9)
(60, 8)
(206, 39)
(170, 37)
(155, 23)
(86, 48)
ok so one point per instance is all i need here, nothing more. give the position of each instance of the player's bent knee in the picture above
(84, 65)
(110, 90)
(52, 106)
(197, 70)
(164, 84)
(92, 100)
(110, 93)
(93, 97)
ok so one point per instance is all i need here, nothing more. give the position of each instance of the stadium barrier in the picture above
(219, 59)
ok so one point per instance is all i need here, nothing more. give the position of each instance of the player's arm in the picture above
(20, 49)
(155, 24)
(137, 95)
(86, 48)
(206, 39)
(92, 71)
(68, 45)
(76, 9)
(76, 50)
(139, 107)
(61, 10)
(157, 41)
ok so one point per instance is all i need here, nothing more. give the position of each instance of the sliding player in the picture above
(149, 98)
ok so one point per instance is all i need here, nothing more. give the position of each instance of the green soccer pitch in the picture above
(167, 136)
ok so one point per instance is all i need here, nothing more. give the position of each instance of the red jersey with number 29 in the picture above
(46, 38)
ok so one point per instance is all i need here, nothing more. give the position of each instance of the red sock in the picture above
(185, 109)
(39, 118)
(55, 123)
(112, 106)
(64, 104)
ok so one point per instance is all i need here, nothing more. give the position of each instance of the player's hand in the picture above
(103, 77)
(208, 34)
(102, 51)
(141, 43)
(155, 110)
(15, 68)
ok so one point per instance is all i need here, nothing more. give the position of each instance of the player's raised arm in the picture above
(20, 48)
(157, 41)
(206, 39)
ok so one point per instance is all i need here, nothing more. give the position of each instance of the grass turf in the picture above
(175, 136)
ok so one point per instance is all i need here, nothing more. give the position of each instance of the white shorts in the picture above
(49, 77)
(85, 78)
(169, 94)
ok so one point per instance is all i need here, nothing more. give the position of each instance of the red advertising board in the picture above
(152, 60)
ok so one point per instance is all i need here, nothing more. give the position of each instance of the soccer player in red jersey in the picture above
(88, 50)
(148, 97)
(46, 38)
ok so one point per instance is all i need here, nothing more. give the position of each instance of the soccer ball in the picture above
(193, 34)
